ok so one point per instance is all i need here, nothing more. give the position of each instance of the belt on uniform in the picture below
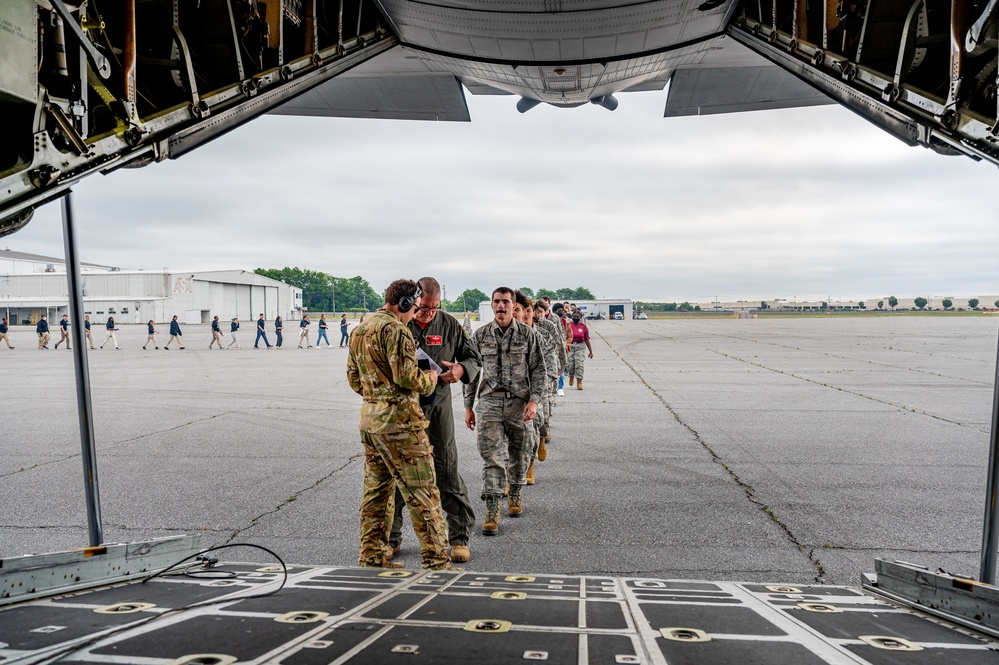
(501, 393)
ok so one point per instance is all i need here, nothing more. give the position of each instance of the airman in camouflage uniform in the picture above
(510, 387)
(440, 336)
(556, 332)
(382, 367)
(550, 345)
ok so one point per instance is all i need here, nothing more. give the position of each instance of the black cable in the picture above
(59, 655)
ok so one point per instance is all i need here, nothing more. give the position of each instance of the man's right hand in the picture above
(470, 419)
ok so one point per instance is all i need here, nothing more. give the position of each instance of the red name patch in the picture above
(435, 340)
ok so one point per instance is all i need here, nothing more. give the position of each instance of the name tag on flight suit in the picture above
(435, 340)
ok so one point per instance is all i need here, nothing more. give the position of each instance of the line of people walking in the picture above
(176, 334)
(402, 362)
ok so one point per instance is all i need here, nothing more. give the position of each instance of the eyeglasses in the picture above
(423, 308)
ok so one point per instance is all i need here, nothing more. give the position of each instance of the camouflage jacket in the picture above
(512, 360)
(382, 368)
(556, 331)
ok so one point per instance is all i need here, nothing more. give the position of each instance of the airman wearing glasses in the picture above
(440, 336)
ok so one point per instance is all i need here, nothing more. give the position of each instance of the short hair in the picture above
(522, 299)
(430, 287)
(502, 289)
(541, 303)
(398, 289)
(547, 299)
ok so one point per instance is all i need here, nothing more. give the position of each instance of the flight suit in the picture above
(382, 368)
(443, 339)
(513, 374)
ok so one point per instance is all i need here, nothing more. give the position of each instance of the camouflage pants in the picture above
(403, 460)
(577, 356)
(549, 404)
(505, 442)
(541, 422)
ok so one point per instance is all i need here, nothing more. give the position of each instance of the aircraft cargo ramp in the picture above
(302, 615)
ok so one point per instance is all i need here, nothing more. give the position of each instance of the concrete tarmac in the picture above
(770, 450)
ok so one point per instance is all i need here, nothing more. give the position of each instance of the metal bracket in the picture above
(99, 62)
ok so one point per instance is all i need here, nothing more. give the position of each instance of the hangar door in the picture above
(614, 309)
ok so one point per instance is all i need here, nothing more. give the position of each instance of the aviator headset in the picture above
(407, 302)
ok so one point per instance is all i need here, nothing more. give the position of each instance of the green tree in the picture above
(317, 295)
(355, 294)
(527, 291)
(825, 305)
(565, 294)
(862, 305)
(996, 303)
(921, 302)
(764, 305)
(469, 299)
(892, 302)
(881, 304)
(947, 302)
(973, 303)
(319, 289)
(541, 293)
(582, 293)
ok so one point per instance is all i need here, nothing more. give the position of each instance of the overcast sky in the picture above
(782, 204)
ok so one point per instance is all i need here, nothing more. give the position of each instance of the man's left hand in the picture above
(530, 411)
(454, 372)
(591, 354)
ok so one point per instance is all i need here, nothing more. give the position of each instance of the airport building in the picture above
(602, 308)
(32, 285)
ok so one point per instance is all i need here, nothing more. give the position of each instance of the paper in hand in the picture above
(422, 355)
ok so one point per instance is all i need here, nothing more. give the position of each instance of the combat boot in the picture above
(391, 551)
(542, 452)
(579, 384)
(572, 378)
(460, 553)
(490, 527)
(515, 504)
(530, 471)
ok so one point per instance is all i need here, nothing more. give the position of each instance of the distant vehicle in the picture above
(684, 310)
(595, 316)
(618, 316)
(642, 316)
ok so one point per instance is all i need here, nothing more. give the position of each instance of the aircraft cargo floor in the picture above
(362, 615)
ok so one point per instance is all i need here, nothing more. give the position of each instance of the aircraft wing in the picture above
(711, 90)
(391, 86)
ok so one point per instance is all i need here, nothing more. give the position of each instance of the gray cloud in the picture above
(777, 204)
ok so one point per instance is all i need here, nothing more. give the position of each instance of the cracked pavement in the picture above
(773, 450)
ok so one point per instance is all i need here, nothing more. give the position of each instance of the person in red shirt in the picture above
(580, 337)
